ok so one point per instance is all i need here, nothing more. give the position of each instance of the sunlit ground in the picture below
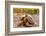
(32, 18)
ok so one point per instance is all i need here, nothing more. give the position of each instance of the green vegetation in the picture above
(26, 10)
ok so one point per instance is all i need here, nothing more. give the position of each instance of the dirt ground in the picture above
(32, 18)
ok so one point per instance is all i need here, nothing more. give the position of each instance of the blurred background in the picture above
(32, 17)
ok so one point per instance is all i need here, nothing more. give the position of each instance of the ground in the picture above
(35, 18)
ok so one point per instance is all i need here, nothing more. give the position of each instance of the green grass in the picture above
(30, 11)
